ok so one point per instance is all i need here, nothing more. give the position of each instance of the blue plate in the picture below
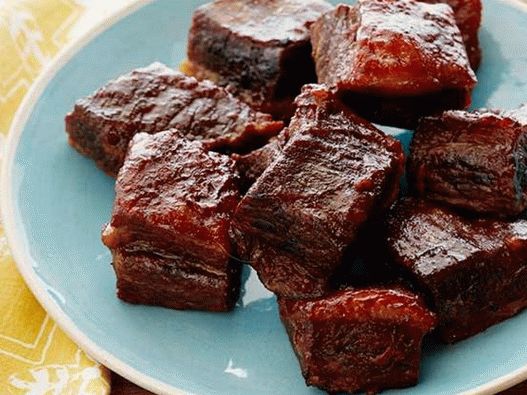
(54, 203)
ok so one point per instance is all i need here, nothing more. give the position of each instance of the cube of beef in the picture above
(157, 98)
(252, 165)
(170, 222)
(260, 48)
(393, 60)
(474, 271)
(351, 340)
(474, 161)
(335, 172)
(468, 19)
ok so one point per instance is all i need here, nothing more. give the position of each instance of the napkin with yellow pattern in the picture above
(36, 357)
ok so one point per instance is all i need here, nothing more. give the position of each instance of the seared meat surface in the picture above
(393, 61)
(476, 161)
(147, 278)
(468, 19)
(474, 271)
(157, 98)
(335, 172)
(172, 212)
(260, 48)
(366, 339)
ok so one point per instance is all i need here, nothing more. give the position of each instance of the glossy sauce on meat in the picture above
(474, 271)
(475, 161)
(468, 18)
(367, 339)
(174, 201)
(156, 98)
(396, 60)
(260, 48)
(335, 171)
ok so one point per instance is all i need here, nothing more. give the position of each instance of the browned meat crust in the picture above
(393, 60)
(475, 161)
(474, 271)
(367, 339)
(157, 98)
(172, 211)
(468, 19)
(334, 173)
(260, 48)
(146, 278)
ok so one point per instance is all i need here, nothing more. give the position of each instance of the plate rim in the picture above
(7, 207)
(21, 256)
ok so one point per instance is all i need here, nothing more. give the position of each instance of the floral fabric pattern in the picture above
(36, 357)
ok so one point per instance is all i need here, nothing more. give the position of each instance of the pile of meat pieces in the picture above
(213, 171)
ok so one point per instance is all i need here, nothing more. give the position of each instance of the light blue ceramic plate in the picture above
(54, 202)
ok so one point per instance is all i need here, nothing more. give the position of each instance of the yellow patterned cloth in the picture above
(36, 357)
